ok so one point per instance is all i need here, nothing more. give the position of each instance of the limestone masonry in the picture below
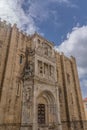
(39, 87)
(85, 106)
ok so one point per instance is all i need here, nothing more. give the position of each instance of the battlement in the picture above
(4, 23)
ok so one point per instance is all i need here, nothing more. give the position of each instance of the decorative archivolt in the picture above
(47, 96)
(46, 108)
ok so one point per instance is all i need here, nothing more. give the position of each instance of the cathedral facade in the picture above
(39, 87)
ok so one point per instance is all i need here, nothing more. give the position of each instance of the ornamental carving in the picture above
(26, 102)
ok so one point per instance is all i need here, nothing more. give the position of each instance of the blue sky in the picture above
(63, 22)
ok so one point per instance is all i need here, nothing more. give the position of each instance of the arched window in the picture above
(41, 113)
(21, 59)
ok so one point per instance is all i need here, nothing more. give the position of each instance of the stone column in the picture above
(34, 114)
(58, 110)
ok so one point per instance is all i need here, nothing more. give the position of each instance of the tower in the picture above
(39, 87)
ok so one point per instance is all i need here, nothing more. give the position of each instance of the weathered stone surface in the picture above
(39, 88)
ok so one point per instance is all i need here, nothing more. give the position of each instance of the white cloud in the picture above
(76, 45)
(13, 12)
(41, 10)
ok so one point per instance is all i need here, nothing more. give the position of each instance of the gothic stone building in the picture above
(39, 87)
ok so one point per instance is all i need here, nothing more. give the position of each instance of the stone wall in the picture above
(31, 72)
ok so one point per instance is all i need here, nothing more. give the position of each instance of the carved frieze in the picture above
(43, 48)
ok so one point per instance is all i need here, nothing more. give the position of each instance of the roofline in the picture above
(36, 34)
(85, 100)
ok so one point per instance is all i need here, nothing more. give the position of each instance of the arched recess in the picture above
(46, 108)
